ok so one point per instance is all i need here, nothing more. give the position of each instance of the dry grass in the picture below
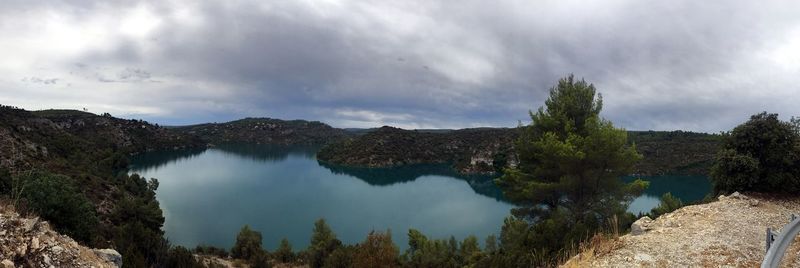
(588, 251)
(596, 246)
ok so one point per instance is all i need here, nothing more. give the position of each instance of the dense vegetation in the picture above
(486, 150)
(470, 150)
(265, 131)
(568, 181)
(68, 167)
(762, 155)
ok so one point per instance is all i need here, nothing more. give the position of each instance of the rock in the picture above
(57, 249)
(753, 202)
(47, 260)
(643, 257)
(34, 243)
(7, 264)
(737, 195)
(110, 255)
(29, 224)
(641, 225)
(22, 250)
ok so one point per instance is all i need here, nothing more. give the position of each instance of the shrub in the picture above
(323, 242)
(248, 244)
(181, 257)
(669, 203)
(762, 155)
(211, 250)
(55, 198)
(377, 250)
(284, 252)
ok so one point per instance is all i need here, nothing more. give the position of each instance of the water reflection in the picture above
(481, 184)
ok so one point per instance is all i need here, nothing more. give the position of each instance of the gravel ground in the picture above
(727, 233)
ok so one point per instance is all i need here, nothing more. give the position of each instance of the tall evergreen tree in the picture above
(570, 163)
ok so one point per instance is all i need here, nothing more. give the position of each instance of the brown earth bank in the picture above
(31, 242)
(730, 232)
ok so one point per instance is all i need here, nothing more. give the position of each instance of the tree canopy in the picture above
(762, 154)
(567, 181)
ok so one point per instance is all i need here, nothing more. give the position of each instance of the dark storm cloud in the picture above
(692, 65)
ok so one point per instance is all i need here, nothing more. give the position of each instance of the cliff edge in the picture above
(730, 232)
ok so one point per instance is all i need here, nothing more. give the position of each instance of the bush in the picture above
(761, 155)
(181, 257)
(377, 250)
(211, 250)
(323, 243)
(248, 244)
(284, 252)
(55, 198)
(669, 203)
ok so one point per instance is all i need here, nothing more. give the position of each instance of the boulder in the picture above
(641, 225)
(110, 255)
(7, 264)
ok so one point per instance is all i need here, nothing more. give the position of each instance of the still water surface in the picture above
(208, 195)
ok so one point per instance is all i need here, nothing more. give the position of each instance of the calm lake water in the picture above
(208, 195)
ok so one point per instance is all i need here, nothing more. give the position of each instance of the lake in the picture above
(208, 195)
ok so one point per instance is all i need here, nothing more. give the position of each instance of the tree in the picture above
(470, 250)
(668, 204)
(570, 164)
(377, 250)
(248, 244)
(491, 244)
(323, 242)
(284, 252)
(762, 154)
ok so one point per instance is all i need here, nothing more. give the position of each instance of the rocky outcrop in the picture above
(727, 233)
(30, 242)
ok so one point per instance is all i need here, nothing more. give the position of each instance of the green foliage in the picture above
(323, 243)
(181, 257)
(491, 243)
(377, 250)
(56, 199)
(284, 252)
(424, 252)
(669, 203)
(341, 257)
(211, 250)
(248, 244)
(137, 220)
(470, 252)
(259, 259)
(568, 178)
(762, 154)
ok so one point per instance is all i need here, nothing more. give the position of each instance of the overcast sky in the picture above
(661, 65)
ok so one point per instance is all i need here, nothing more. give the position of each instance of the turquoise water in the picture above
(687, 188)
(208, 195)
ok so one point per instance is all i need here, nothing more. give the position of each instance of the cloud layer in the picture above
(693, 65)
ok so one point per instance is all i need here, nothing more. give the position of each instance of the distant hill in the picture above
(266, 131)
(67, 140)
(470, 150)
(487, 150)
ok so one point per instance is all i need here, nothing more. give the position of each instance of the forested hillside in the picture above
(483, 150)
(68, 167)
(265, 131)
